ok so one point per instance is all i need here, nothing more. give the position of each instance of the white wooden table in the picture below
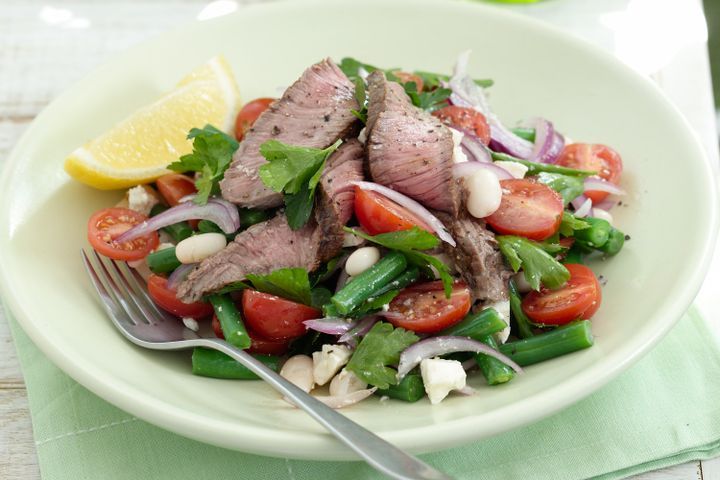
(44, 48)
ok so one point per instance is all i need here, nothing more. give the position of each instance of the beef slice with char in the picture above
(336, 197)
(313, 112)
(477, 258)
(272, 245)
(408, 149)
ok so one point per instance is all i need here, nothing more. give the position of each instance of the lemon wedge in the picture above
(139, 148)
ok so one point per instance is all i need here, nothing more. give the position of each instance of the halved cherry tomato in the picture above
(275, 318)
(106, 225)
(528, 208)
(174, 186)
(378, 214)
(580, 297)
(406, 77)
(600, 158)
(167, 300)
(248, 114)
(465, 119)
(259, 344)
(423, 308)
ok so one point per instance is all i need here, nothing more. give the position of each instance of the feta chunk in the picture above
(329, 361)
(503, 308)
(346, 382)
(140, 200)
(362, 136)
(458, 156)
(440, 376)
(517, 170)
(191, 323)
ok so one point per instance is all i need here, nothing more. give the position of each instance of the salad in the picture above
(376, 232)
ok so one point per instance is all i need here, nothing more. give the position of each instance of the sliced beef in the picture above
(337, 196)
(478, 258)
(260, 249)
(272, 245)
(313, 112)
(408, 149)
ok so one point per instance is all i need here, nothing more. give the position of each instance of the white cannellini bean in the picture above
(299, 370)
(517, 170)
(198, 247)
(329, 361)
(361, 259)
(484, 193)
(346, 382)
(522, 285)
(602, 214)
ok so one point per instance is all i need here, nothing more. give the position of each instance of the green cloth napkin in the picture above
(661, 412)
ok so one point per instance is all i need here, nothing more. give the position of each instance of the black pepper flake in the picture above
(603, 281)
(627, 237)
(275, 130)
(326, 118)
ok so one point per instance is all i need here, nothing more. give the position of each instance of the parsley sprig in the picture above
(536, 260)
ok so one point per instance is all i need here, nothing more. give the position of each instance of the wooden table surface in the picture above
(44, 48)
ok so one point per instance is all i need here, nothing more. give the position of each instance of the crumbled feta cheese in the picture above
(517, 170)
(191, 323)
(346, 382)
(329, 361)
(362, 136)
(350, 240)
(440, 376)
(503, 308)
(140, 200)
(163, 246)
(458, 156)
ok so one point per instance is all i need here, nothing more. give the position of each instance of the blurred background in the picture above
(712, 11)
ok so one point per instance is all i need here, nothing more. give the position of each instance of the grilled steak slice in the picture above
(408, 149)
(337, 196)
(313, 112)
(478, 258)
(260, 249)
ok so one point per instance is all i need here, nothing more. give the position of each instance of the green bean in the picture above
(495, 371)
(365, 284)
(526, 133)
(521, 320)
(614, 243)
(597, 235)
(163, 261)
(230, 321)
(401, 281)
(477, 325)
(178, 231)
(410, 389)
(249, 216)
(566, 339)
(211, 363)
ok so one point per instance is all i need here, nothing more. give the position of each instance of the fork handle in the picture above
(380, 454)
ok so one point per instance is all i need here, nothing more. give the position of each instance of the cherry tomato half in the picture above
(580, 297)
(528, 208)
(106, 225)
(275, 318)
(465, 119)
(248, 114)
(175, 186)
(259, 345)
(599, 158)
(406, 77)
(167, 300)
(378, 214)
(423, 308)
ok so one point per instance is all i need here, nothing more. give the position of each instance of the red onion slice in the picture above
(465, 169)
(411, 205)
(360, 329)
(606, 204)
(548, 143)
(442, 345)
(217, 211)
(467, 93)
(340, 401)
(474, 149)
(597, 184)
(329, 325)
(584, 209)
(179, 274)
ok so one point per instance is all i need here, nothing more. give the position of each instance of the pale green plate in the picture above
(670, 213)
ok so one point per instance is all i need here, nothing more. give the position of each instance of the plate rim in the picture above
(322, 446)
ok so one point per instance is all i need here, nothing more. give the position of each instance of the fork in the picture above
(124, 296)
